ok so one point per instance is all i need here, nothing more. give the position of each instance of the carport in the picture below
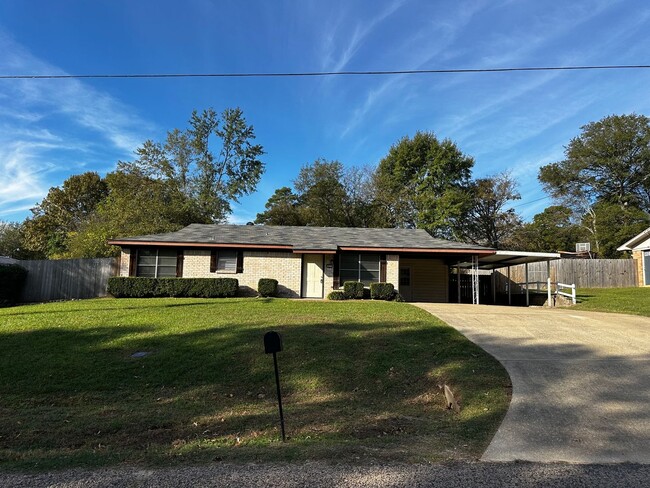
(500, 260)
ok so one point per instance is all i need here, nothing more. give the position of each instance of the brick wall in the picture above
(638, 261)
(282, 266)
(392, 270)
(125, 259)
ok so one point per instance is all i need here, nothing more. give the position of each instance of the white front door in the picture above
(312, 276)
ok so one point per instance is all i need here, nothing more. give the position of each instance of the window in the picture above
(359, 267)
(226, 261)
(157, 263)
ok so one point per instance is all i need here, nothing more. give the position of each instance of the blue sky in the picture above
(51, 129)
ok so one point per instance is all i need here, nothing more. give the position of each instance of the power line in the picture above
(326, 73)
(531, 201)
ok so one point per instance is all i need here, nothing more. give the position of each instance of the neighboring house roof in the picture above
(640, 241)
(302, 239)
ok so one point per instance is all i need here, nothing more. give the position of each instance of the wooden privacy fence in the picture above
(584, 273)
(66, 279)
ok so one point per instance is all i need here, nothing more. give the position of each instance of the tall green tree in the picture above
(282, 208)
(135, 205)
(488, 220)
(422, 182)
(613, 225)
(213, 163)
(608, 161)
(62, 212)
(12, 242)
(321, 193)
(552, 230)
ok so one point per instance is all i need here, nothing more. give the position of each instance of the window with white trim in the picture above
(359, 267)
(156, 263)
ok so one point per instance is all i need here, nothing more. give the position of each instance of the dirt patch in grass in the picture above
(360, 381)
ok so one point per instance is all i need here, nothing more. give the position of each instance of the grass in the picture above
(634, 301)
(359, 383)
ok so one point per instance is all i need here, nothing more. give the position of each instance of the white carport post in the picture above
(527, 295)
(509, 288)
(494, 288)
(548, 283)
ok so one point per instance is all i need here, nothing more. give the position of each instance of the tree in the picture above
(213, 163)
(281, 209)
(550, 231)
(609, 161)
(62, 212)
(321, 193)
(422, 182)
(487, 221)
(615, 225)
(12, 242)
(135, 205)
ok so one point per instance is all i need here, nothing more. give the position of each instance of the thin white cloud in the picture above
(48, 126)
(336, 57)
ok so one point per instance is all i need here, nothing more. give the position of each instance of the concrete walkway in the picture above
(580, 381)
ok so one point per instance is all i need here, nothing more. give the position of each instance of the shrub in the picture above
(336, 295)
(12, 280)
(267, 287)
(123, 287)
(397, 297)
(381, 291)
(353, 289)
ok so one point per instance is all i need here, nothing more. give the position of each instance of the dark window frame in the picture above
(215, 257)
(135, 265)
(360, 257)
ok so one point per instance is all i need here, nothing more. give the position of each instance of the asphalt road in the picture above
(315, 475)
(580, 381)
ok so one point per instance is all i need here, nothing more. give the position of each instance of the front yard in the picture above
(635, 301)
(359, 383)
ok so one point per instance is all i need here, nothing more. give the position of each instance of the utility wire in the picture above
(326, 73)
(531, 201)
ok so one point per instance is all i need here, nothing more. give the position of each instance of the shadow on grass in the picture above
(66, 391)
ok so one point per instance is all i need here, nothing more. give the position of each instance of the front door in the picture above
(312, 276)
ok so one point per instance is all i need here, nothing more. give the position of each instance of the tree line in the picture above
(600, 191)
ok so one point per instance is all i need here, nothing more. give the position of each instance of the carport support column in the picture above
(458, 279)
(509, 288)
(548, 283)
(527, 295)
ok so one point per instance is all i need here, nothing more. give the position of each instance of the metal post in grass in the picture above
(273, 345)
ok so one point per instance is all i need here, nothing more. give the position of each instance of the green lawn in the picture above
(359, 382)
(623, 300)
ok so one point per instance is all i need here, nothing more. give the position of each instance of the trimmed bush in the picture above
(353, 289)
(336, 295)
(381, 291)
(267, 287)
(123, 287)
(397, 297)
(12, 280)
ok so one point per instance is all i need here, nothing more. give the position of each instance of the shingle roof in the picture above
(302, 238)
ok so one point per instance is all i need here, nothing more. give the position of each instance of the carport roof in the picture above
(501, 259)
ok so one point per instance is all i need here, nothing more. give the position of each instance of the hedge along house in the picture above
(308, 262)
(640, 247)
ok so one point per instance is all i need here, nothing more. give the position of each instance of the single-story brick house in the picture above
(308, 262)
(640, 247)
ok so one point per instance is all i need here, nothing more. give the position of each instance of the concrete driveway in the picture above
(580, 381)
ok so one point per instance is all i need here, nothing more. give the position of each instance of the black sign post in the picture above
(273, 345)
